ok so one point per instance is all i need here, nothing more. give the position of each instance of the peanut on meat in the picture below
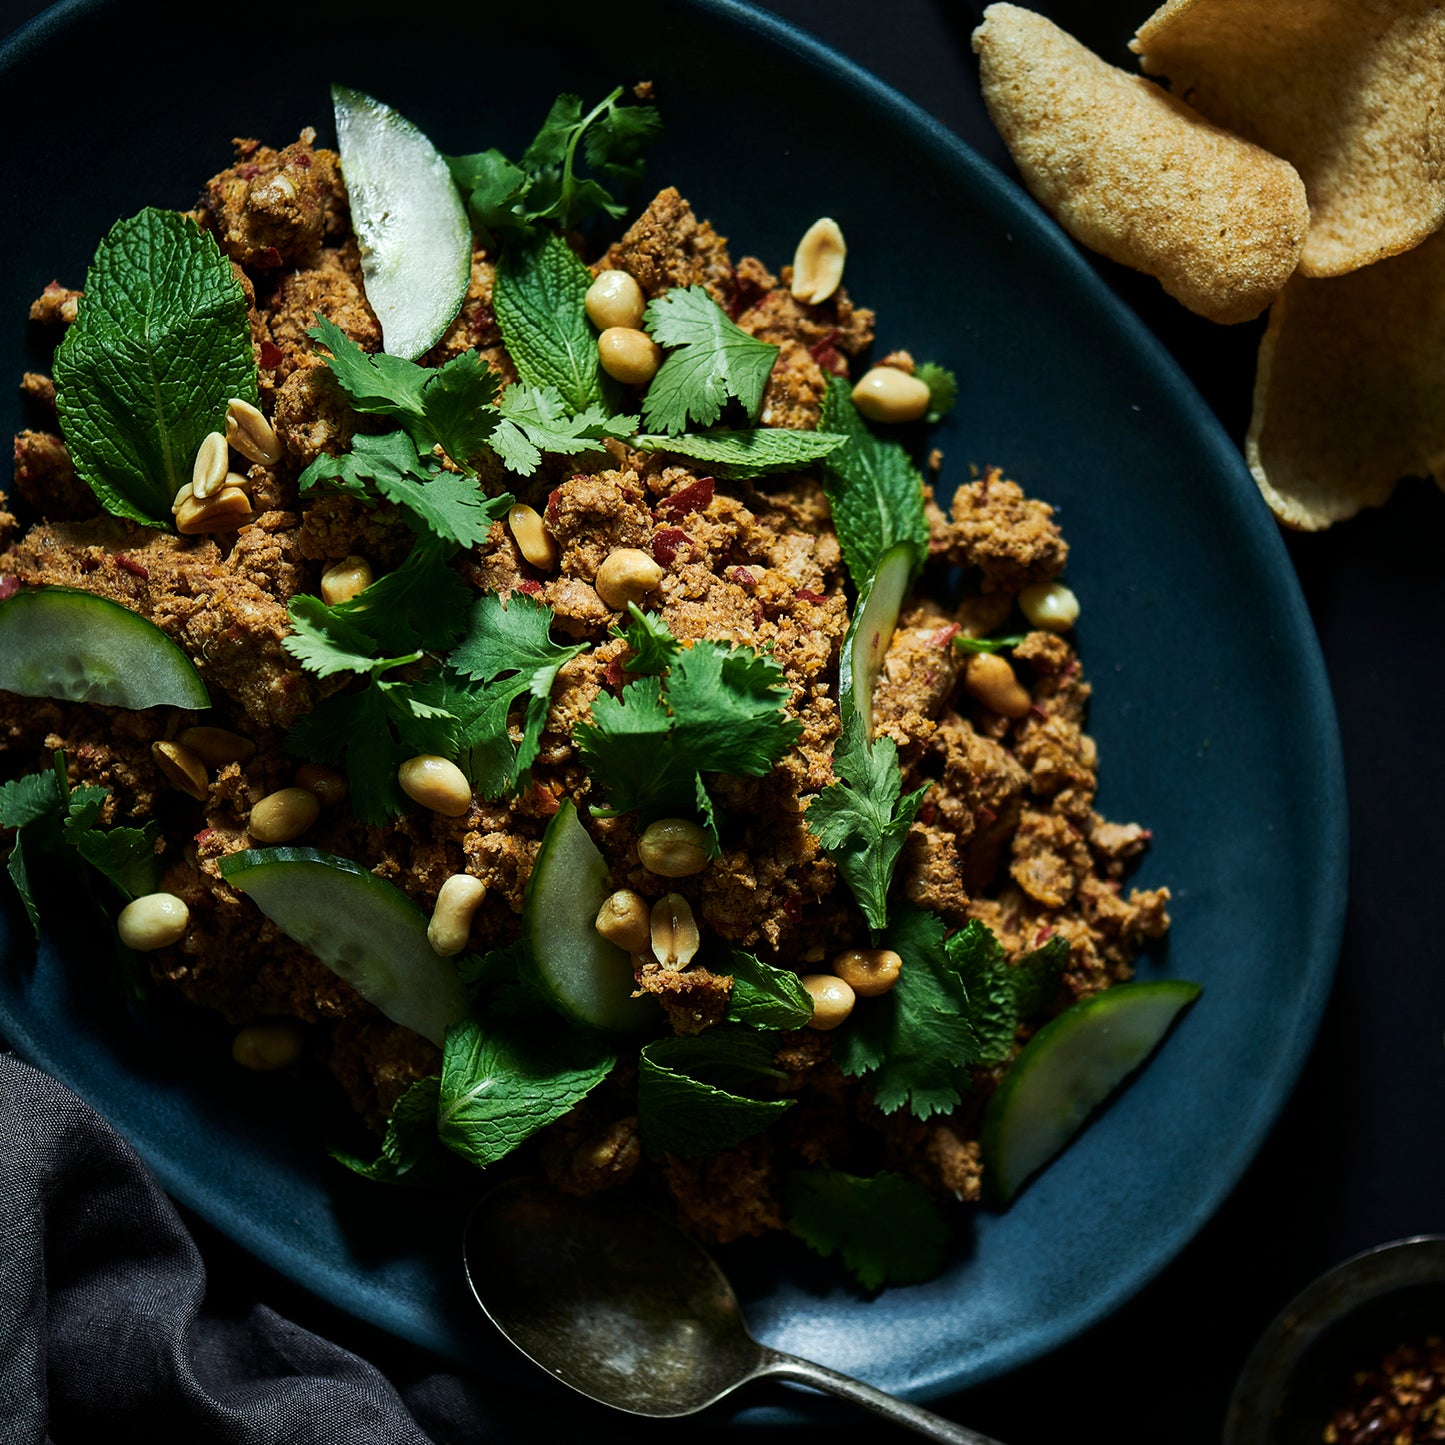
(183, 769)
(625, 919)
(250, 433)
(886, 394)
(818, 262)
(628, 355)
(626, 575)
(212, 465)
(832, 999)
(273, 1044)
(1050, 606)
(989, 679)
(435, 783)
(451, 921)
(154, 920)
(328, 784)
(530, 533)
(283, 815)
(222, 511)
(344, 579)
(673, 930)
(615, 299)
(216, 747)
(673, 848)
(868, 971)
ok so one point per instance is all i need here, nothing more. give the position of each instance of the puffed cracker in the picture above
(1352, 92)
(1133, 173)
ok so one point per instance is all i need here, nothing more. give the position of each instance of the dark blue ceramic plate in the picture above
(1211, 711)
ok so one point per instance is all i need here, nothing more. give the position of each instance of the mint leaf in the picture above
(534, 420)
(161, 343)
(914, 1043)
(862, 819)
(874, 490)
(712, 359)
(409, 1151)
(505, 1078)
(743, 455)
(887, 1229)
(685, 1100)
(540, 301)
(1001, 995)
(986, 644)
(942, 387)
(650, 641)
(764, 996)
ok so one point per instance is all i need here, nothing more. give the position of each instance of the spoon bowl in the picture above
(619, 1304)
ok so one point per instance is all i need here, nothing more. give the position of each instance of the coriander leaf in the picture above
(452, 506)
(862, 819)
(540, 301)
(915, 1042)
(493, 186)
(420, 606)
(746, 454)
(986, 644)
(1037, 975)
(887, 1229)
(942, 387)
(126, 856)
(326, 641)
(160, 344)
(1001, 995)
(534, 420)
(649, 640)
(764, 996)
(458, 410)
(24, 799)
(359, 471)
(505, 1078)
(685, 1103)
(874, 490)
(711, 359)
(508, 650)
(409, 1149)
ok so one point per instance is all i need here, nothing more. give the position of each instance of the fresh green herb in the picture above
(506, 1077)
(540, 297)
(875, 491)
(915, 1043)
(160, 344)
(410, 1152)
(986, 644)
(534, 420)
(766, 997)
(942, 387)
(711, 359)
(887, 1229)
(1002, 995)
(743, 455)
(862, 819)
(546, 185)
(650, 641)
(719, 709)
(27, 804)
(507, 650)
(686, 1099)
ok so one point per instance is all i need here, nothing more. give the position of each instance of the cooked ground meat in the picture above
(1008, 833)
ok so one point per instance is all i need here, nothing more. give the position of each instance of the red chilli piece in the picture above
(271, 356)
(129, 564)
(742, 577)
(554, 499)
(945, 635)
(695, 497)
(614, 672)
(1044, 934)
(793, 907)
(546, 800)
(667, 543)
(302, 159)
(927, 813)
(825, 352)
(530, 586)
(268, 258)
(248, 172)
(9, 585)
(804, 595)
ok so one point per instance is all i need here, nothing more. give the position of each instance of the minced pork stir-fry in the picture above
(584, 736)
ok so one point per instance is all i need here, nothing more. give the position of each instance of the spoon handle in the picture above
(778, 1366)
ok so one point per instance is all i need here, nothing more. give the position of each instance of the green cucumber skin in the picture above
(320, 900)
(587, 978)
(872, 628)
(113, 656)
(1069, 1040)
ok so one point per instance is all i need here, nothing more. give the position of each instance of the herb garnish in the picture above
(942, 387)
(766, 997)
(746, 453)
(160, 344)
(1002, 994)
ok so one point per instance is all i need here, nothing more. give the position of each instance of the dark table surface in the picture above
(1356, 1157)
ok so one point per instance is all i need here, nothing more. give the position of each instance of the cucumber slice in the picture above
(587, 978)
(1067, 1070)
(416, 241)
(57, 642)
(361, 927)
(871, 630)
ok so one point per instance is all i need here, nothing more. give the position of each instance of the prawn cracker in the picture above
(1348, 91)
(1132, 172)
(1349, 392)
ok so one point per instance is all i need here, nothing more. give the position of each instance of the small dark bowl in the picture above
(1302, 1366)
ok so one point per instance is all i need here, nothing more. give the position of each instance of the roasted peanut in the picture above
(818, 261)
(435, 783)
(628, 355)
(530, 533)
(283, 815)
(154, 920)
(216, 747)
(272, 1044)
(328, 784)
(886, 394)
(673, 930)
(212, 465)
(343, 580)
(615, 299)
(673, 848)
(183, 769)
(451, 921)
(868, 971)
(625, 919)
(832, 999)
(989, 678)
(222, 511)
(250, 433)
(1050, 606)
(626, 575)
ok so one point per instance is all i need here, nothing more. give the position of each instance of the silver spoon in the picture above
(626, 1309)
